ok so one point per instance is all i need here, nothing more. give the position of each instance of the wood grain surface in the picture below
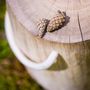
(71, 71)
(28, 12)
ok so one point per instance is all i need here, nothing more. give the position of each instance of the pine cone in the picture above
(56, 22)
(42, 25)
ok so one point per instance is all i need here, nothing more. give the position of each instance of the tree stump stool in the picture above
(71, 70)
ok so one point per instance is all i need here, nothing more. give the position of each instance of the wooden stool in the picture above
(67, 67)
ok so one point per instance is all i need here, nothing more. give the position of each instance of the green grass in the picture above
(2, 13)
(4, 50)
(13, 75)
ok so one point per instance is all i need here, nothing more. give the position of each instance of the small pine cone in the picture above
(56, 22)
(42, 25)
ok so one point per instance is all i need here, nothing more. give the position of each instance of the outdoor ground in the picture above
(13, 75)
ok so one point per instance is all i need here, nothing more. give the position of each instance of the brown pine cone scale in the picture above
(42, 25)
(56, 22)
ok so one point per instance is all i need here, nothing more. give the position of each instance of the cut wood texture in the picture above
(71, 71)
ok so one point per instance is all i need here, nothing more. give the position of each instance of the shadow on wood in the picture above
(87, 87)
(60, 64)
(67, 19)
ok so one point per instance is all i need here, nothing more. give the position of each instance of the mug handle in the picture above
(24, 60)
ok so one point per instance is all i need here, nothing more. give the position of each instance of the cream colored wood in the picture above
(28, 12)
(71, 71)
(23, 59)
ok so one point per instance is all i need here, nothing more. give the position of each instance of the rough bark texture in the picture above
(71, 71)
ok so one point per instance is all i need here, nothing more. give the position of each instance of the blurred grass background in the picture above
(13, 75)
